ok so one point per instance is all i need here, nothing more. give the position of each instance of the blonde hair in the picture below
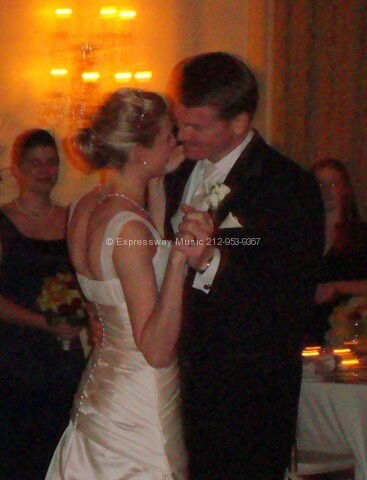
(128, 118)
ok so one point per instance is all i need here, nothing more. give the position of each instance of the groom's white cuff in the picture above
(203, 281)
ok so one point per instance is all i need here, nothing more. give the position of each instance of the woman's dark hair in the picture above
(128, 118)
(29, 139)
(349, 210)
(218, 80)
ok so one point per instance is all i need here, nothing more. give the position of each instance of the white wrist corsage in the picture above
(216, 194)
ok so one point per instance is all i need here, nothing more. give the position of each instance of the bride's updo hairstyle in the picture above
(128, 118)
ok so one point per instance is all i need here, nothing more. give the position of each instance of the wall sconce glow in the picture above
(90, 77)
(143, 76)
(63, 12)
(108, 12)
(59, 72)
(123, 76)
(128, 14)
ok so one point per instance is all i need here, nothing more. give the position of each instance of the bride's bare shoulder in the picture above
(87, 202)
(81, 213)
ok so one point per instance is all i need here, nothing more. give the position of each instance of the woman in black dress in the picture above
(343, 272)
(37, 377)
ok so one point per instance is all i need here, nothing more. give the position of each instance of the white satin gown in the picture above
(125, 423)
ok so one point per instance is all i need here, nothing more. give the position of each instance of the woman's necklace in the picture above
(139, 207)
(32, 215)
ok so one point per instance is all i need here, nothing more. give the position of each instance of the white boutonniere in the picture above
(217, 194)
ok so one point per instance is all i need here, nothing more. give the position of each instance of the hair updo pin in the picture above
(139, 123)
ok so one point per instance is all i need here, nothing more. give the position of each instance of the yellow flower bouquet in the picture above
(62, 301)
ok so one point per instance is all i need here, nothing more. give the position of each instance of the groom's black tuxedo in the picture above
(241, 343)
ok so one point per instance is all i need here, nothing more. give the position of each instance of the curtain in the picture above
(320, 84)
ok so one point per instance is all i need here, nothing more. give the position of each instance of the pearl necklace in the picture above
(139, 207)
(31, 215)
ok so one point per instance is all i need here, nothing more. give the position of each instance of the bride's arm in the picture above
(155, 316)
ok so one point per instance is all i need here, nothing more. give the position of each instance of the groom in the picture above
(252, 284)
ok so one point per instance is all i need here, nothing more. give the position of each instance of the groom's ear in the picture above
(241, 123)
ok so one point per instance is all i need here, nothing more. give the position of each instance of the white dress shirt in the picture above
(204, 175)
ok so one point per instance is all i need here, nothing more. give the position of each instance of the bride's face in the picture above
(158, 155)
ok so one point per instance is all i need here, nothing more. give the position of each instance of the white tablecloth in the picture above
(333, 418)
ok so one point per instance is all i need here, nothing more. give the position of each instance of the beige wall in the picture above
(166, 31)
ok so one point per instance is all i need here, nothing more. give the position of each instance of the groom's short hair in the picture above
(215, 79)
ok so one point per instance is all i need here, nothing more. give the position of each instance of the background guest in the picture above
(37, 377)
(343, 271)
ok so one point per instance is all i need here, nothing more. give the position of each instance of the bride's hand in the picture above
(176, 158)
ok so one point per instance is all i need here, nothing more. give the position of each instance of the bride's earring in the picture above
(145, 162)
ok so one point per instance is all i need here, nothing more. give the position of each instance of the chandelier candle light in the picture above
(90, 53)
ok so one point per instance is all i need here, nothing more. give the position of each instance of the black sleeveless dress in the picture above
(37, 377)
(351, 264)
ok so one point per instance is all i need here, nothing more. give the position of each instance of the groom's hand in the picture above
(197, 226)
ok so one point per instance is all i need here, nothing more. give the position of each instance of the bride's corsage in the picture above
(216, 195)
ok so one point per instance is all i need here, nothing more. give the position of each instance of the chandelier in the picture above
(90, 55)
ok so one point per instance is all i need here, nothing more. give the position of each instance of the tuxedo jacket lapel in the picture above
(249, 164)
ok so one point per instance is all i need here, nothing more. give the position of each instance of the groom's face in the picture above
(204, 135)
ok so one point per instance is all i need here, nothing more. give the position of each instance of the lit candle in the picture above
(127, 14)
(123, 77)
(90, 77)
(143, 76)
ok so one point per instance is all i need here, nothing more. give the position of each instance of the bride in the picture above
(125, 422)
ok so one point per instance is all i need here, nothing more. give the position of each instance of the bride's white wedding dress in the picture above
(125, 422)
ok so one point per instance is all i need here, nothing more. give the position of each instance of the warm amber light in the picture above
(143, 76)
(342, 350)
(59, 72)
(63, 12)
(128, 14)
(108, 12)
(355, 361)
(123, 76)
(90, 76)
(311, 353)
